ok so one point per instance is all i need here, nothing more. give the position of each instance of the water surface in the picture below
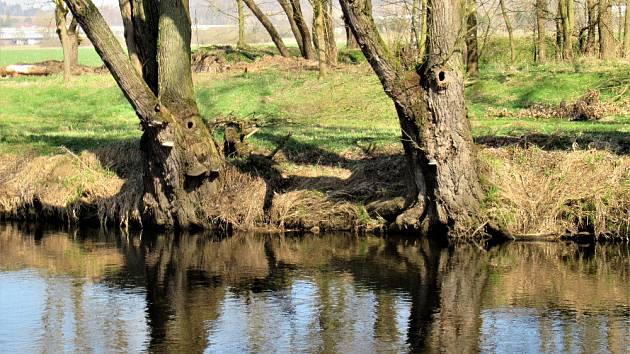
(102, 292)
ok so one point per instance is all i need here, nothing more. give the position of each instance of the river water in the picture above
(102, 292)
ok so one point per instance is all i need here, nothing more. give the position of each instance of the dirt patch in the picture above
(588, 107)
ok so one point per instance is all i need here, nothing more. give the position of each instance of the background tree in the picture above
(307, 39)
(181, 158)
(69, 38)
(605, 27)
(592, 20)
(241, 43)
(626, 32)
(510, 30)
(271, 29)
(541, 32)
(472, 42)
(444, 188)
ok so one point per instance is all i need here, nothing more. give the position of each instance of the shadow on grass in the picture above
(615, 142)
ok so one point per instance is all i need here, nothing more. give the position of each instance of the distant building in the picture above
(24, 35)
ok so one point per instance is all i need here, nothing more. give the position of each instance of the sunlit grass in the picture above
(347, 110)
(14, 55)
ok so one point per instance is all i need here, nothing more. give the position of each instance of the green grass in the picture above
(346, 111)
(14, 55)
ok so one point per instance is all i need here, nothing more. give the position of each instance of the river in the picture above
(96, 291)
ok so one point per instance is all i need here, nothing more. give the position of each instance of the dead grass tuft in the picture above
(538, 192)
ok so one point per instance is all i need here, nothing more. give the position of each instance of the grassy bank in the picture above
(543, 176)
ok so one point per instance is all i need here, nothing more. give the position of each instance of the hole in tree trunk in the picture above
(441, 76)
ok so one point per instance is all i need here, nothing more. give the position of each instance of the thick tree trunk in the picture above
(605, 26)
(541, 40)
(510, 30)
(566, 18)
(264, 20)
(472, 44)
(181, 157)
(626, 32)
(241, 25)
(130, 37)
(288, 10)
(307, 40)
(591, 15)
(62, 32)
(436, 136)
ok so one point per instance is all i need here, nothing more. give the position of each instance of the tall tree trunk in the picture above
(288, 10)
(127, 15)
(605, 25)
(559, 34)
(307, 40)
(436, 136)
(319, 37)
(541, 41)
(351, 42)
(472, 44)
(626, 32)
(241, 25)
(510, 30)
(62, 32)
(415, 25)
(329, 33)
(181, 157)
(264, 20)
(569, 28)
(591, 15)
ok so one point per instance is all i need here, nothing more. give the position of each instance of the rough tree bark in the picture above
(472, 43)
(436, 136)
(288, 10)
(510, 30)
(351, 42)
(307, 40)
(541, 41)
(241, 24)
(605, 26)
(181, 158)
(264, 20)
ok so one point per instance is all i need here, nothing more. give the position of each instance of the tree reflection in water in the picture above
(329, 293)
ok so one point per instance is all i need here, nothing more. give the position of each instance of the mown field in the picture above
(348, 115)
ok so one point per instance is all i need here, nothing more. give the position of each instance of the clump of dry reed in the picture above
(538, 192)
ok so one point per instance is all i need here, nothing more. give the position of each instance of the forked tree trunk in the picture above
(541, 40)
(472, 44)
(64, 38)
(264, 20)
(181, 157)
(510, 30)
(307, 40)
(241, 25)
(288, 10)
(436, 136)
(605, 26)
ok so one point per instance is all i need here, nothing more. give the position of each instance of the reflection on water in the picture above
(84, 292)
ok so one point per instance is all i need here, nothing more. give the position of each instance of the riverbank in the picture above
(70, 151)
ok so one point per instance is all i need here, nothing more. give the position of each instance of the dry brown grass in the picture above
(556, 193)
(530, 191)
